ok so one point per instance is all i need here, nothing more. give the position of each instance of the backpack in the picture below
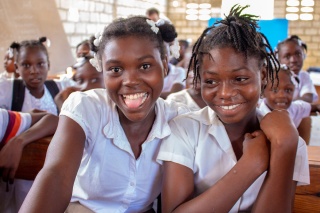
(19, 89)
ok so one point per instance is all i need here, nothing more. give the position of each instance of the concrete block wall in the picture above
(95, 14)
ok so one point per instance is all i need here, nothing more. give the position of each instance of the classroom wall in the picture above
(308, 31)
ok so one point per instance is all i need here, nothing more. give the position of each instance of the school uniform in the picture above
(185, 98)
(175, 75)
(45, 103)
(297, 111)
(305, 86)
(110, 178)
(200, 142)
(11, 124)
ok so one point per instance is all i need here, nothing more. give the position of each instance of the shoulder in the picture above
(86, 101)
(171, 108)
(178, 96)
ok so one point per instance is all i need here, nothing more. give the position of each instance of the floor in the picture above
(315, 131)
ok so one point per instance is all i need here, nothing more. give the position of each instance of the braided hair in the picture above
(29, 43)
(238, 31)
(138, 26)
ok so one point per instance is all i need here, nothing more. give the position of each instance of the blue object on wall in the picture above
(275, 30)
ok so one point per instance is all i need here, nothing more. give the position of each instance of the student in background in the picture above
(32, 91)
(229, 157)
(280, 96)
(86, 77)
(84, 48)
(9, 67)
(15, 134)
(292, 52)
(191, 96)
(184, 44)
(174, 79)
(103, 154)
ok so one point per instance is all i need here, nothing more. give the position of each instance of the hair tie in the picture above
(154, 28)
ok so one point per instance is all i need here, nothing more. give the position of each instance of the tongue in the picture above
(133, 103)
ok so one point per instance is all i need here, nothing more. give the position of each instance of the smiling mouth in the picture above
(230, 107)
(281, 104)
(135, 100)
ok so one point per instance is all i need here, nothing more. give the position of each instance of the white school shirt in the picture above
(298, 110)
(110, 178)
(185, 98)
(305, 86)
(200, 142)
(175, 75)
(45, 103)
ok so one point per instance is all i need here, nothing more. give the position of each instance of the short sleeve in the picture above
(307, 85)
(177, 147)
(301, 169)
(79, 108)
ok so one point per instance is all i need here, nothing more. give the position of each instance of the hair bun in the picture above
(43, 39)
(15, 45)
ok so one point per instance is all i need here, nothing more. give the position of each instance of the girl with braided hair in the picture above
(228, 156)
(103, 154)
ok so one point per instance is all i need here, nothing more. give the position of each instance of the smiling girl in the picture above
(229, 156)
(103, 154)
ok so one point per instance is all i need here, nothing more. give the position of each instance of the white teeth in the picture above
(281, 104)
(229, 107)
(135, 96)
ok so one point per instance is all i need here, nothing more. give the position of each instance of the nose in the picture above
(34, 69)
(131, 78)
(281, 93)
(226, 90)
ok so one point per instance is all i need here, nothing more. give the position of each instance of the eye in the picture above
(25, 65)
(145, 66)
(42, 64)
(289, 91)
(241, 79)
(115, 69)
(274, 90)
(210, 81)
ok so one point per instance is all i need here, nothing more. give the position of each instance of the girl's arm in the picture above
(43, 124)
(178, 182)
(278, 184)
(52, 188)
(63, 95)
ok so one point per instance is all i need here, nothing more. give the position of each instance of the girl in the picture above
(9, 68)
(292, 52)
(33, 92)
(191, 96)
(103, 154)
(86, 76)
(280, 97)
(209, 164)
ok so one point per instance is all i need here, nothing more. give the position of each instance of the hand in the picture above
(279, 128)
(38, 111)
(10, 156)
(256, 147)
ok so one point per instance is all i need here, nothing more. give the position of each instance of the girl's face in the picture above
(83, 50)
(133, 75)
(9, 63)
(231, 84)
(279, 97)
(87, 77)
(292, 55)
(32, 65)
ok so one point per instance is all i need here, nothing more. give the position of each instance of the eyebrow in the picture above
(234, 70)
(139, 59)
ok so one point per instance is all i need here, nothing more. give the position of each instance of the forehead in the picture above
(87, 70)
(290, 46)
(130, 47)
(227, 58)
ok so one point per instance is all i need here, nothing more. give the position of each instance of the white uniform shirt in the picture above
(185, 98)
(200, 142)
(46, 102)
(176, 75)
(110, 178)
(298, 110)
(305, 86)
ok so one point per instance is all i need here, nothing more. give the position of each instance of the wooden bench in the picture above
(307, 199)
(32, 159)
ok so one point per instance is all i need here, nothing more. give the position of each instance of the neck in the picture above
(36, 92)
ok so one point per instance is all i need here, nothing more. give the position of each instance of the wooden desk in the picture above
(307, 198)
(32, 159)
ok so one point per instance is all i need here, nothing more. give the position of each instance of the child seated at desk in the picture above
(280, 96)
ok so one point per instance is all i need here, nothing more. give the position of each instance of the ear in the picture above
(264, 79)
